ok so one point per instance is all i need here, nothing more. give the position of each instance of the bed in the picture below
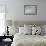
(24, 38)
(29, 40)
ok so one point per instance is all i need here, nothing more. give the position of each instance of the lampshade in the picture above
(9, 22)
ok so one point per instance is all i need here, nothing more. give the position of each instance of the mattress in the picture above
(28, 40)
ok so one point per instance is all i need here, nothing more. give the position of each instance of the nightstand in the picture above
(11, 37)
(5, 42)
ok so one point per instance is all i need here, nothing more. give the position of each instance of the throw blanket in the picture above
(29, 40)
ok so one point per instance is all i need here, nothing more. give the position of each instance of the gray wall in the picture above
(15, 9)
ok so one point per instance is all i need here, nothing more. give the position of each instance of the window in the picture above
(2, 19)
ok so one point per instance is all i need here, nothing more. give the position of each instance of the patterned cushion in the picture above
(36, 30)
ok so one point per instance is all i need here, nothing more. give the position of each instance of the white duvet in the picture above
(29, 40)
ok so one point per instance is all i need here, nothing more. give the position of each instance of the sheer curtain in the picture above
(2, 19)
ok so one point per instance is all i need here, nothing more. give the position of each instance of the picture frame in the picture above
(30, 9)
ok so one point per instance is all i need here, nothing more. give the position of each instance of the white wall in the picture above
(15, 10)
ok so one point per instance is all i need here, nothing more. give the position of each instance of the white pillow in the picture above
(28, 26)
(23, 30)
(28, 31)
(44, 27)
(36, 30)
(13, 30)
(42, 30)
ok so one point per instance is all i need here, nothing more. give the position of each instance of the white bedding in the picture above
(29, 40)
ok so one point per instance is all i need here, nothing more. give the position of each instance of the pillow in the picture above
(21, 30)
(13, 30)
(28, 31)
(44, 29)
(28, 26)
(44, 26)
(36, 30)
(33, 30)
(24, 30)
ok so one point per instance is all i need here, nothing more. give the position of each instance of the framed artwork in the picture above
(30, 9)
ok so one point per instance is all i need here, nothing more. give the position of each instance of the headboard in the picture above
(21, 23)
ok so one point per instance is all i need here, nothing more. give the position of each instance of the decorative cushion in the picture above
(28, 31)
(13, 30)
(36, 30)
(23, 30)
(28, 26)
(44, 29)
